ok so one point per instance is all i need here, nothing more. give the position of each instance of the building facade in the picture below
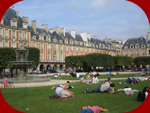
(54, 44)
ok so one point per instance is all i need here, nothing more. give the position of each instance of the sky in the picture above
(114, 19)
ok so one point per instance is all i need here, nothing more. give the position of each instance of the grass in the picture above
(37, 99)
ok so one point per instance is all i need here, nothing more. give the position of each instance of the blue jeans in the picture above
(94, 90)
(129, 80)
(87, 111)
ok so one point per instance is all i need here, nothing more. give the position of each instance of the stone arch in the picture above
(41, 67)
(48, 67)
(55, 67)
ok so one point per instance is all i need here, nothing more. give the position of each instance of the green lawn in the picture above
(37, 99)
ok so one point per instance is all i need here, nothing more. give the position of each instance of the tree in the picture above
(6, 55)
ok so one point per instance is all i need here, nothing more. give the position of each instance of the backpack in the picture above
(129, 93)
(140, 96)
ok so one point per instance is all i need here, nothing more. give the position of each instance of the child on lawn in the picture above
(5, 82)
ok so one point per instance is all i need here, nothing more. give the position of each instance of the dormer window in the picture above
(25, 26)
(66, 41)
(137, 46)
(126, 47)
(81, 43)
(142, 46)
(84, 43)
(131, 46)
(13, 23)
(71, 41)
(60, 41)
(41, 37)
(34, 37)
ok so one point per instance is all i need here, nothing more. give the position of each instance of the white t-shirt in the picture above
(95, 80)
(146, 94)
(125, 89)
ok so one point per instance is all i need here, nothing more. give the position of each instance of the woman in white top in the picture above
(95, 80)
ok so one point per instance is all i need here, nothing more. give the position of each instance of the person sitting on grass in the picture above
(82, 80)
(88, 76)
(95, 80)
(132, 81)
(94, 109)
(63, 93)
(102, 88)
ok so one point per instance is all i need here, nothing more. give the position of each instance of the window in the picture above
(143, 52)
(25, 35)
(131, 46)
(142, 46)
(41, 38)
(61, 57)
(60, 47)
(81, 49)
(0, 32)
(25, 26)
(66, 48)
(48, 56)
(34, 44)
(94, 50)
(71, 48)
(55, 47)
(41, 56)
(76, 49)
(131, 53)
(6, 33)
(48, 46)
(6, 43)
(13, 23)
(20, 35)
(90, 50)
(85, 50)
(137, 53)
(137, 46)
(41, 45)
(1, 43)
(54, 56)
(13, 44)
(126, 54)
(13, 33)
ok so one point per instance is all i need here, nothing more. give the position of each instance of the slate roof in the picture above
(134, 41)
(9, 14)
(78, 38)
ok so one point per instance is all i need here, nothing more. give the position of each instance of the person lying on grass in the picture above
(94, 109)
(132, 81)
(107, 86)
(63, 93)
(65, 85)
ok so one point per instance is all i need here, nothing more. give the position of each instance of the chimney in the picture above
(147, 37)
(51, 30)
(33, 24)
(57, 30)
(17, 14)
(45, 27)
(73, 34)
(142, 37)
(25, 19)
(84, 36)
(62, 30)
(94, 37)
(89, 36)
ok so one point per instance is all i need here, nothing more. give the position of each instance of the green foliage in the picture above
(122, 60)
(6, 55)
(34, 55)
(142, 60)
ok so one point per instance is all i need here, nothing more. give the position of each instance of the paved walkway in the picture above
(54, 81)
